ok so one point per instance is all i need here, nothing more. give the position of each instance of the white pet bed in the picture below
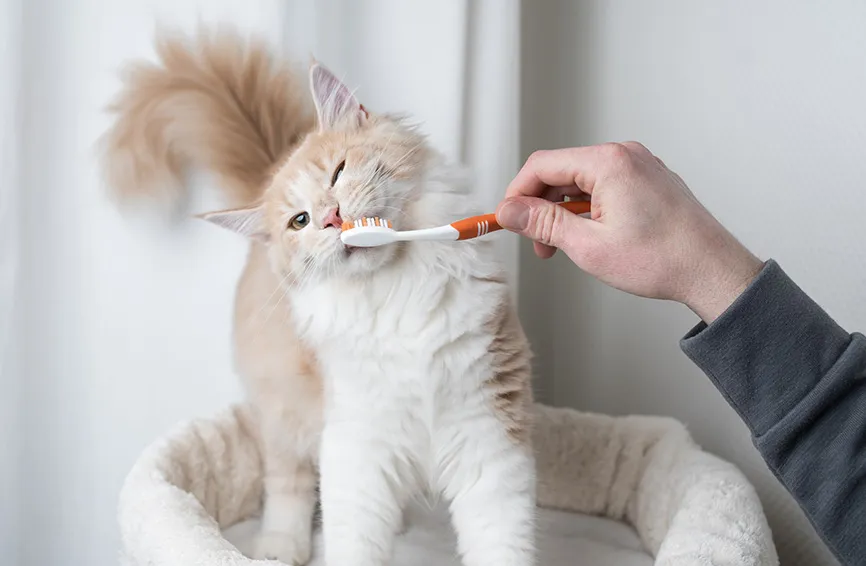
(629, 491)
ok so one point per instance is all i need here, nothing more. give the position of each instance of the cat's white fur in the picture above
(404, 354)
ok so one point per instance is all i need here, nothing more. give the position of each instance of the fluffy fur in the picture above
(219, 103)
(393, 372)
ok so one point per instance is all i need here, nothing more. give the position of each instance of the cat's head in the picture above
(354, 164)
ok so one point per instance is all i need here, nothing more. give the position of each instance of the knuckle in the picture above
(615, 151)
(636, 147)
(616, 155)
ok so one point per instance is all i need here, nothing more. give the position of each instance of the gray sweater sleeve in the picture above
(798, 380)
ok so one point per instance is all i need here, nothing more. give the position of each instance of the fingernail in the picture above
(514, 216)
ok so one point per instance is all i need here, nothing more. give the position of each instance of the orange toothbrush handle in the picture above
(477, 226)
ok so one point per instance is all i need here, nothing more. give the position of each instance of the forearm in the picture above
(798, 380)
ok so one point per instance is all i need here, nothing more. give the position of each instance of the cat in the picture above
(379, 375)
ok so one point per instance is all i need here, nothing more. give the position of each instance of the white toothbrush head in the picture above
(368, 232)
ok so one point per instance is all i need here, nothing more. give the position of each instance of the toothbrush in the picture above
(369, 232)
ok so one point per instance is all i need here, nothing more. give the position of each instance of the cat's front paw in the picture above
(285, 547)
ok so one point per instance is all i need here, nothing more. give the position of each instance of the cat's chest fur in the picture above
(413, 332)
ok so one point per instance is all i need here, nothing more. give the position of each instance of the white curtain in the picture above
(113, 329)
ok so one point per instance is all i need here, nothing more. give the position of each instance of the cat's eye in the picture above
(337, 172)
(298, 221)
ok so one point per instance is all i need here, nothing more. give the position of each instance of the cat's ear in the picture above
(335, 103)
(249, 222)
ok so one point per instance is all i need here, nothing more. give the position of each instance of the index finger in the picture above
(571, 167)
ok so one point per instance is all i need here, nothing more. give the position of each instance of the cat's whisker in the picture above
(407, 154)
(306, 268)
(276, 306)
(278, 286)
(305, 273)
(262, 330)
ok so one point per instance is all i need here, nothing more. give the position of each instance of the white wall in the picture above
(760, 107)
(123, 329)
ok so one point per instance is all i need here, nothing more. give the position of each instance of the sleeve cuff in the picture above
(768, 349)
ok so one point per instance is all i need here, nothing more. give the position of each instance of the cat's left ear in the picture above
(335, 103)
(249, 222)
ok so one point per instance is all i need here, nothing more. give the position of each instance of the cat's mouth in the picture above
(351, 252)
(355, 250)
(348, 249)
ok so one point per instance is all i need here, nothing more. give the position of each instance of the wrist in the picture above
(720, 278)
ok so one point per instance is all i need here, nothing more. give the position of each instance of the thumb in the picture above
(542, 221)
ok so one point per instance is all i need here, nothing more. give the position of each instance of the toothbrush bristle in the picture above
(367, 222)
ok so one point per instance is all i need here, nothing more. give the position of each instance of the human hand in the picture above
(648, 235)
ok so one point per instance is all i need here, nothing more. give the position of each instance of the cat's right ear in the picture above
(335, 103)
(249, 222)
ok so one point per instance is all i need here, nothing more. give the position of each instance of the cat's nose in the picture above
(332, 218)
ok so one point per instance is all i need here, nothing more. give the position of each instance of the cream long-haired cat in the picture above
(386, 373)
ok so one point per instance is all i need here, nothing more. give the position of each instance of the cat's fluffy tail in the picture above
(215, 102)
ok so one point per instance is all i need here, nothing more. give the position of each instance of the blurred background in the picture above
(113, 329)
